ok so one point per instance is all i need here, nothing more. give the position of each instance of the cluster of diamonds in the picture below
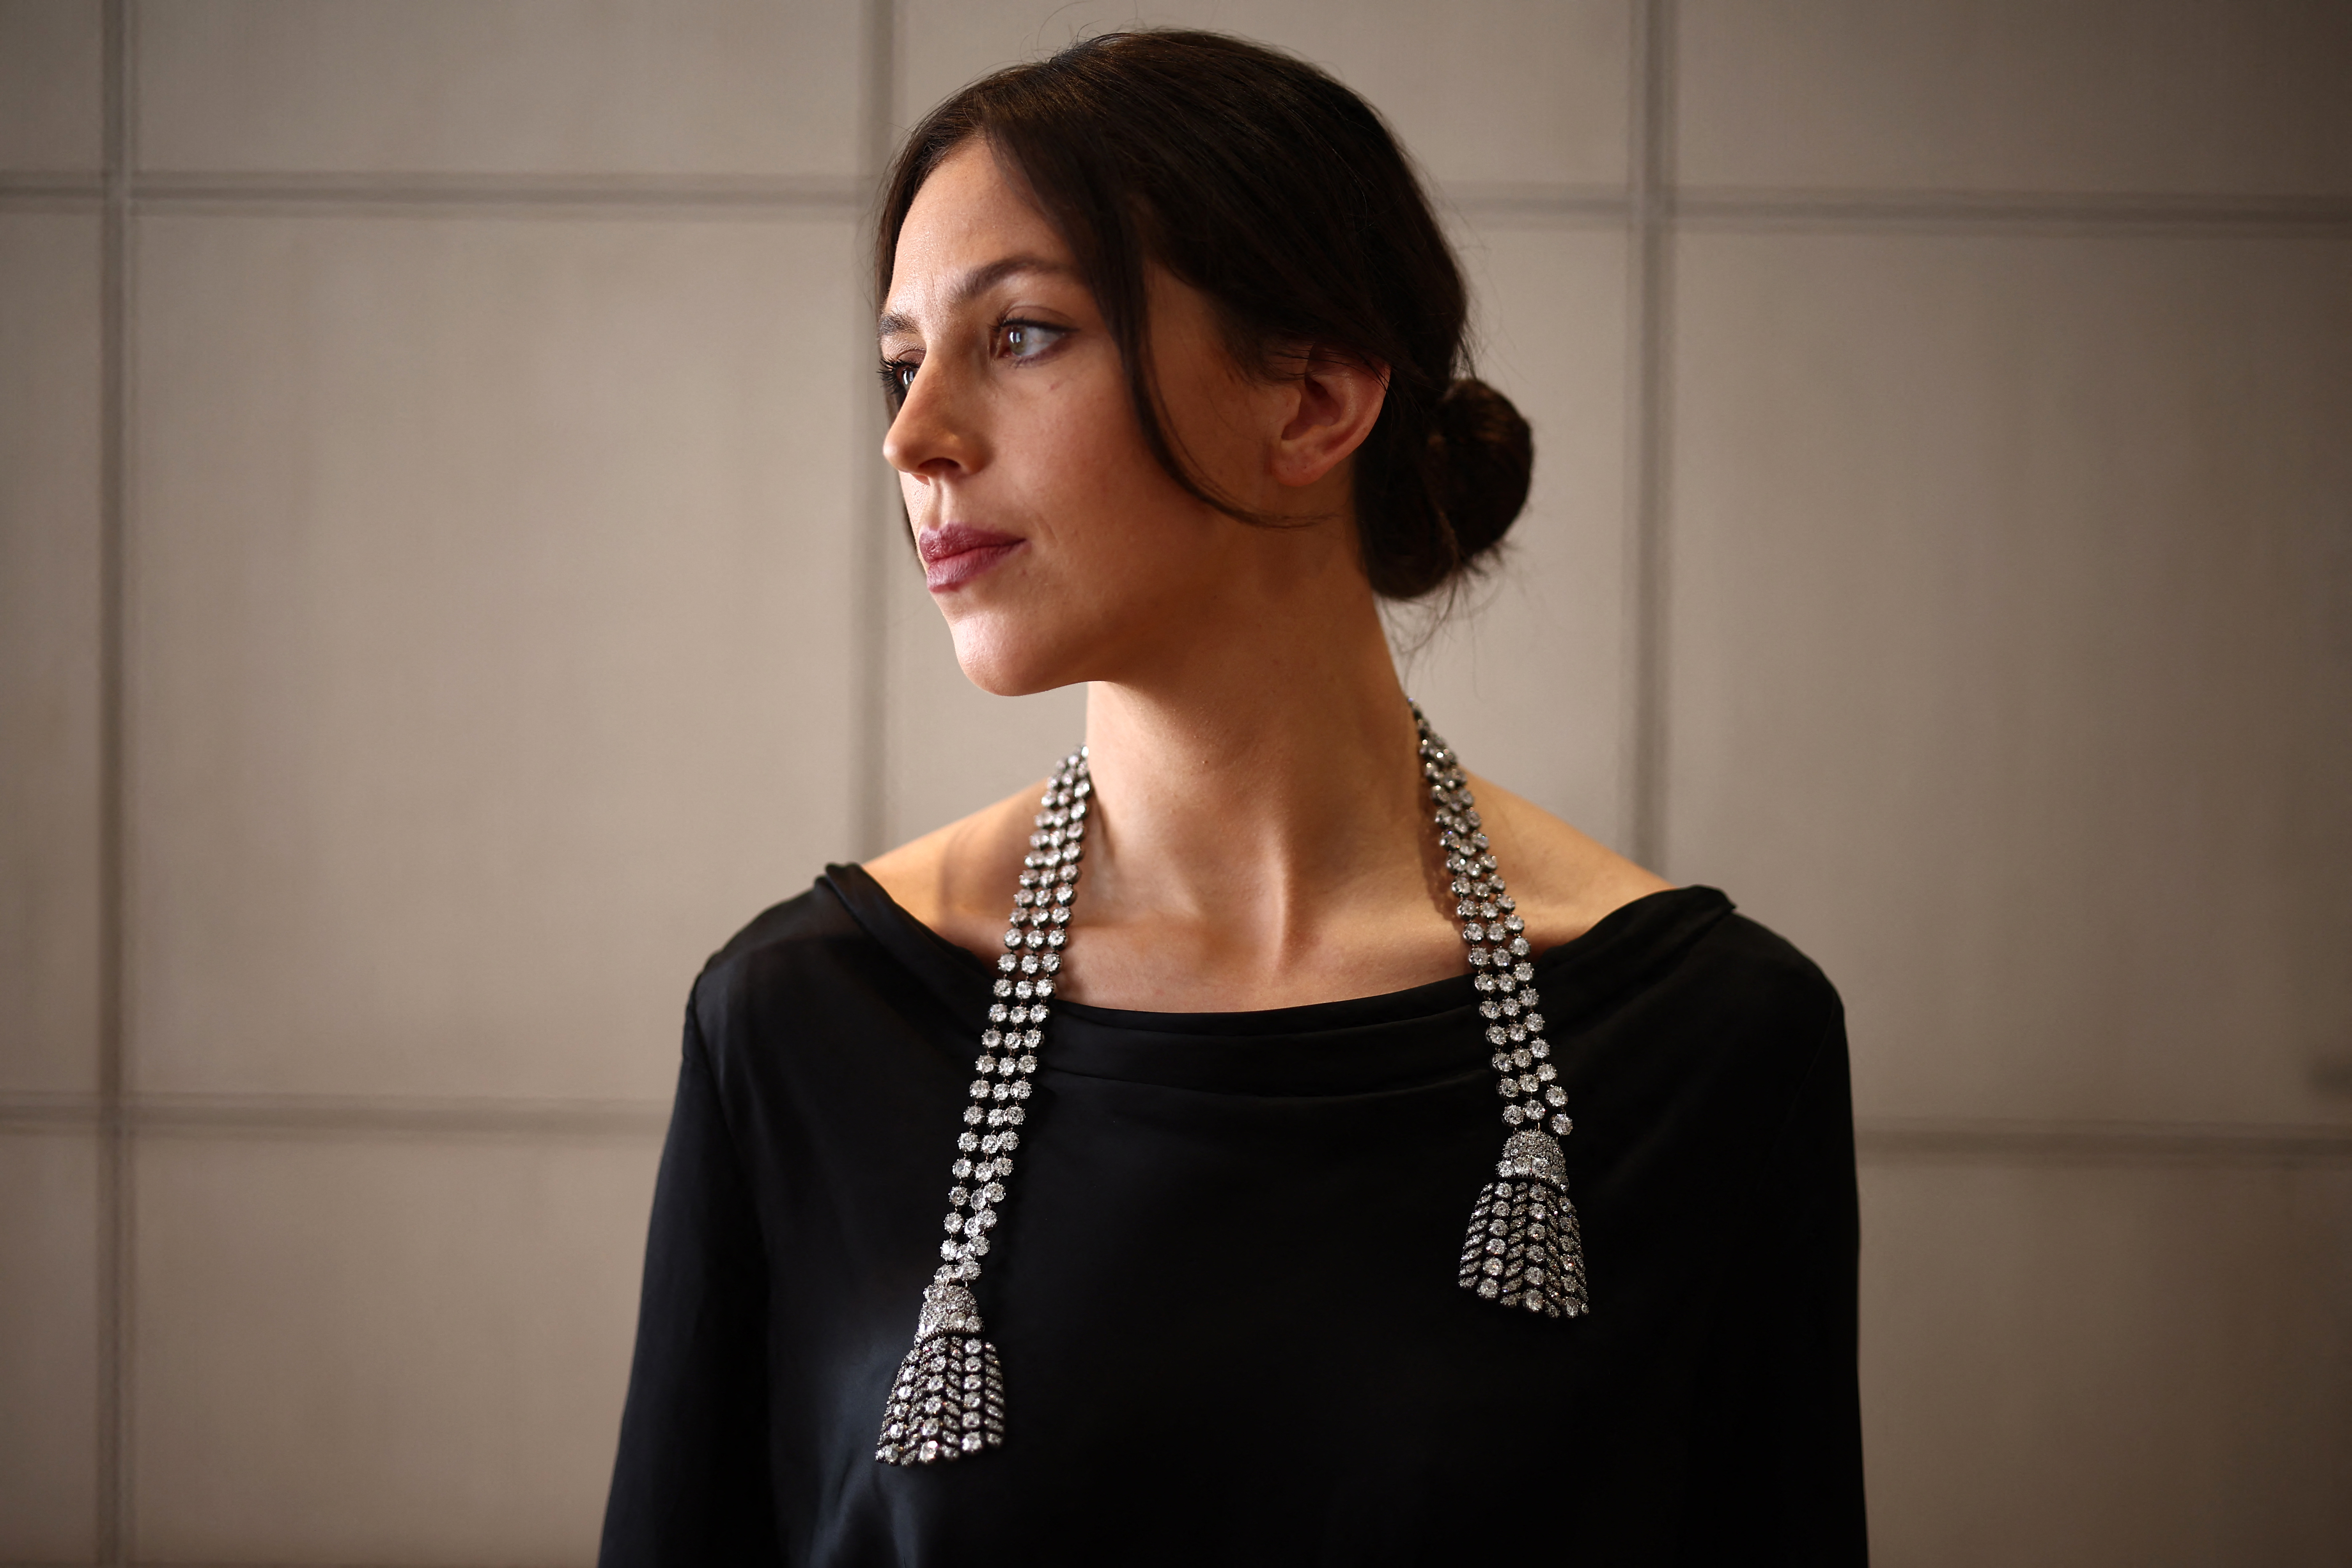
(949, 1398)
(958, 1407)
(1523, 1248)
(1501, 963)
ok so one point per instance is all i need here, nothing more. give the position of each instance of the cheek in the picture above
(1114, 520)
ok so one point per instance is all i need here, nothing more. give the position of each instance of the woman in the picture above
(1240, 1262)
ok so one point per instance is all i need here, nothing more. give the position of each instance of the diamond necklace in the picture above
(1523, 1251)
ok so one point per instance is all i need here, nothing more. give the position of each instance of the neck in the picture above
(1265, 788)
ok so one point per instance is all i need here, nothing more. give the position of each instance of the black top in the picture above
(1224, 1286)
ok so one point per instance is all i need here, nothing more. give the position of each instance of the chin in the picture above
(1006, 661)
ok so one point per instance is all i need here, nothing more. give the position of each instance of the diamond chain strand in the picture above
(1524, 1249)
(949, 1398)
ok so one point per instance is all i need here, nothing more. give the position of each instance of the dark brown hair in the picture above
(1280, 195)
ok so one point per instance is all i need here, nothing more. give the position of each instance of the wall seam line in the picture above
(869, 685)
(115, 1283)
(1651, 174)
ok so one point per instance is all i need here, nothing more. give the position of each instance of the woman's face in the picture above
(1056, 547)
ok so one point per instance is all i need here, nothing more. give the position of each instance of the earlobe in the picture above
(1338, 400)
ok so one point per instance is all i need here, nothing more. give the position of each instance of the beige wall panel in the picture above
(1526, 678)
(2225, 97)
(492, 87)
(403, 1350)
(48, 651)
(48, 1346)
(50, 86)
(1508, 90)
(2108, 1367)
(2011, 655)
(487, 632)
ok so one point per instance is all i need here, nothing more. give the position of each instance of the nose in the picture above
(934, 436)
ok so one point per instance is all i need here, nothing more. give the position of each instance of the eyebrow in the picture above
(976, 282)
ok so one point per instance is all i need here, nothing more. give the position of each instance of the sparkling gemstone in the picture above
(1562, 1126)
(1507, 1087)
(971, 1113)
(1497, 1036)
(1486, 1288)
(1520, 1058)
(1502, 1062)
(1005, 988)
(1545, 1072)
(1514, 1115)
(1540, 1049)
(1535, 1022)
(958, 1196)
(1009, 1140)
(1554, 1095)
(967, 1142)
(993, 1192)
(1027, 1064)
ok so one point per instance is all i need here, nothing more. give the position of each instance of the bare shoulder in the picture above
(1564, 881)
(956, 879)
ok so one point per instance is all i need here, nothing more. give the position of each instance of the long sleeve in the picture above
(690, 1487)
(1777, 1453)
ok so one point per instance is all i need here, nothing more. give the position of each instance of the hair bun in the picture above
(1482, 455)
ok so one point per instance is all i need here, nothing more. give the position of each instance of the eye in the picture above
(1027, 340)
(897, 376)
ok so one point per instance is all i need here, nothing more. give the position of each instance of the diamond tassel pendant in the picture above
(1524, 1250)
(949, 1398)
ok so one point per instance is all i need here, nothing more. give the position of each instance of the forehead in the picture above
(968, 216)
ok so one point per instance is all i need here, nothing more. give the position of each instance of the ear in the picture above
(1336, 401)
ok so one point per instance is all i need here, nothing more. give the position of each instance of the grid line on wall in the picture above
(116, 1278)
(1650, 281)
(871, 495)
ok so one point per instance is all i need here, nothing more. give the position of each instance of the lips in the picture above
(958, 553)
